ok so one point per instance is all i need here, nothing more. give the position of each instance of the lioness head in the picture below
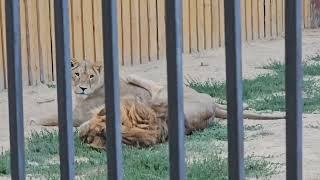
(86, 77)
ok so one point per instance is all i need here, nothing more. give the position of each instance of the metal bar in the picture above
(112, 93)
(66, 145)
(175, 89)
(293, 89)
(12, 9)
(234, 88)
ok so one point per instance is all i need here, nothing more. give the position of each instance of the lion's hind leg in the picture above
(149, 85)
(140, 137)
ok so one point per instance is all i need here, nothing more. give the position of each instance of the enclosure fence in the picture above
(141, 30)
(174, 48)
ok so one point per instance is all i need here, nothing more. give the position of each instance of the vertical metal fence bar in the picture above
(15, 89)
(175, 89)
(66, 145)
(112, 92)
(234, 88)
(293, 89)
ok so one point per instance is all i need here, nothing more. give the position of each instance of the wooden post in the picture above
(315, 13)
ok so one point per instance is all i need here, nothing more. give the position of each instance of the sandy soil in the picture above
(213, 66)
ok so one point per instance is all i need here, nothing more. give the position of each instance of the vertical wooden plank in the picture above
(186, 27)
(2, 70)
(193, 26)
(200, 24)
(249, 19)
(261, 18)
(135, 34)
(3, 57)
(255, 19)
(273, 18)
(41, 64)
(45, 41)
(161, 29)
(88, 35)
(33, 41)
(126, 32)
(53, 40)
(71, 29)
(77, 29)
(283, 16)
(97, 30)
(119, 4)
(243, 20)
(144, 31)
(279, 17)
(303, 13)
(152, 14)
(207, 25)
(221, 21)
(2, 77)
(268, 19)
(215, 23)
(307, 13)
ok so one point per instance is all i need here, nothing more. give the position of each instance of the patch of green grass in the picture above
(315, 57)
(310, 67)
(255, 127)
(4, 163)
(217, 131)
(205, 158)
(51, 85)
(261, 134)
(313, 126)
(267, 91)
(274, 65)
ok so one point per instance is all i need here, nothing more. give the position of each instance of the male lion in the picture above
(142, 124)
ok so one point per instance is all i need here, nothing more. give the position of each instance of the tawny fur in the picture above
(85, 101)
(88, 94)
(141, 125)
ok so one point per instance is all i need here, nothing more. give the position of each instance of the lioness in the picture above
(88, 92)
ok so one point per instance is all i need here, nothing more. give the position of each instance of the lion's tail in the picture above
(221, 113)
(224, 107)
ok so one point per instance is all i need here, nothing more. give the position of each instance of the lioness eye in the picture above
(77, 74)
(91, 76)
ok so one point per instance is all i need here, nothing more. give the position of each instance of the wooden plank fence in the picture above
(141, 31)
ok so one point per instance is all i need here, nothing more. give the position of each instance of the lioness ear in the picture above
(74, 62)
(98, 66)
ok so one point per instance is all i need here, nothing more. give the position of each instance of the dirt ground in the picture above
(213, 66)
